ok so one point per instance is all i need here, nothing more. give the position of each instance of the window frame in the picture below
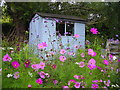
(65, 29)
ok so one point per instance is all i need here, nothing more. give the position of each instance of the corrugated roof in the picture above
(75, 18)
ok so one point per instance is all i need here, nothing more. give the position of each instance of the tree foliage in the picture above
(102, 15)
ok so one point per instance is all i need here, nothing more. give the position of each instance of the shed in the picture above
(46, 27)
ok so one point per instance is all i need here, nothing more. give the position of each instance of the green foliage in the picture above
(105, 15)
(96, 42)
(23, 12)
(63, 72)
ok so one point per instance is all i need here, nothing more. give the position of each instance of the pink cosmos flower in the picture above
(52, 53)
(62, 58)
(82, 55)
(107, 83)
(11, 51)
(65, 87)
(108, 75)
(102, 70)
(44, 44)
(94, 85)
(27, 63)
(62, 51)
(42, 74)
(71, 81)
(105, 87)
(15, 64)
(102, 56)
(76, 76)
(87, 42)
(100, 81)
(16, 75)
(92, 61)
(39, 81)
(105, 62)
(47, 75)
(81, 77)
(111, 68)
(40, 46)
(92, 66)
(81, 64)
(77, 85)
(29, 86)
(110, 56)
(55, 81)
(7, 58)
(41, 65)
(94, 30)
(54, 66)
(73, 54)
(119, 60)
(76, 36)
(99, 68)
(69, 53)
(66, 33)
(83, 86)
(91, 52)
(76, 46)
(35, 66)
(90, 73)
(95, 81)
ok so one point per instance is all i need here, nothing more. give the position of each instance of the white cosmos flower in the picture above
(10, 48)
(47, 74)
(3, 48)
(76, 63)
(114, 57)
(30, 74)
(113, 86)
(117, 85)
(9, 75)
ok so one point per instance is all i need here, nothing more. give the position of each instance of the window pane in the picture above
(60, 28)
(69, 29)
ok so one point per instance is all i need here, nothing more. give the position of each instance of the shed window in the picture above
(65, 28)
(60, 27)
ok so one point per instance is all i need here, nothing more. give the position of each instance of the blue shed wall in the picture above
(80, 29)
(49, 33)
(44, 30)
(35, 35)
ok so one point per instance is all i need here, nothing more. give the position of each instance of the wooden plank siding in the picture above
(113, 47)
